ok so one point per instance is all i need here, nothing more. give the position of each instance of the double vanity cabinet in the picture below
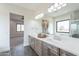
(44, 49)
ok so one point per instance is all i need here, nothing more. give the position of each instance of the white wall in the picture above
(32, 27)
(50, 28)
(4, 28)
(5, 10)
(75, 15)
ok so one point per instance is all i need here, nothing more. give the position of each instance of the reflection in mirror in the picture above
(75, 28)
(47, 27)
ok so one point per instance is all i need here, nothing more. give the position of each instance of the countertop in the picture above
(66, 43)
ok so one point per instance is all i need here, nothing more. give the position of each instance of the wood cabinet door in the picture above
(32, 42)
(53, 51)
(38, 47)
(44, 49)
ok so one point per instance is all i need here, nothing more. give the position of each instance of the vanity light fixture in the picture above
(56, 6)
(51, 9)
(39, 16)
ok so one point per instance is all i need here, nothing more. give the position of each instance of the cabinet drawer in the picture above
(38, 47)
(65, 53)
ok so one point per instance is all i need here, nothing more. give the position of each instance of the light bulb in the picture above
(59, 7)
(49, 10)
(64, 4)
(56, 5)
(54, 9)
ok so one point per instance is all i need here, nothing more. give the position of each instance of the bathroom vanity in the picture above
(50, 47)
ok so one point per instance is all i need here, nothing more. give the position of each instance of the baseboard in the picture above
(4, 50)
(26, 44)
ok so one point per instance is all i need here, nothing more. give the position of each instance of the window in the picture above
(20, 27)
(62, 26)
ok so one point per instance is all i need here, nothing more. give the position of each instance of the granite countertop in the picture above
(66, 43)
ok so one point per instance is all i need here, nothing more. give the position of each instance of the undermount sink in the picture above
(42, 35)
(57, 38)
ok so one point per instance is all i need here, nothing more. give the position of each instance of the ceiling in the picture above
(37, 7)
(43, 7)
(69, 8)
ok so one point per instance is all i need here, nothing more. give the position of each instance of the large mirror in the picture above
(75, 28)
(62, 26)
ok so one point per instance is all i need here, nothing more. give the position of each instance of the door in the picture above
(16, 31)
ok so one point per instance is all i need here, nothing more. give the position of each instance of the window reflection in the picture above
(62, 26)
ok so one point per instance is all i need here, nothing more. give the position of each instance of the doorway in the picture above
(16, 33)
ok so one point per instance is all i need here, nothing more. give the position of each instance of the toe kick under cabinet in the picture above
(65, 53)
(45, 49)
